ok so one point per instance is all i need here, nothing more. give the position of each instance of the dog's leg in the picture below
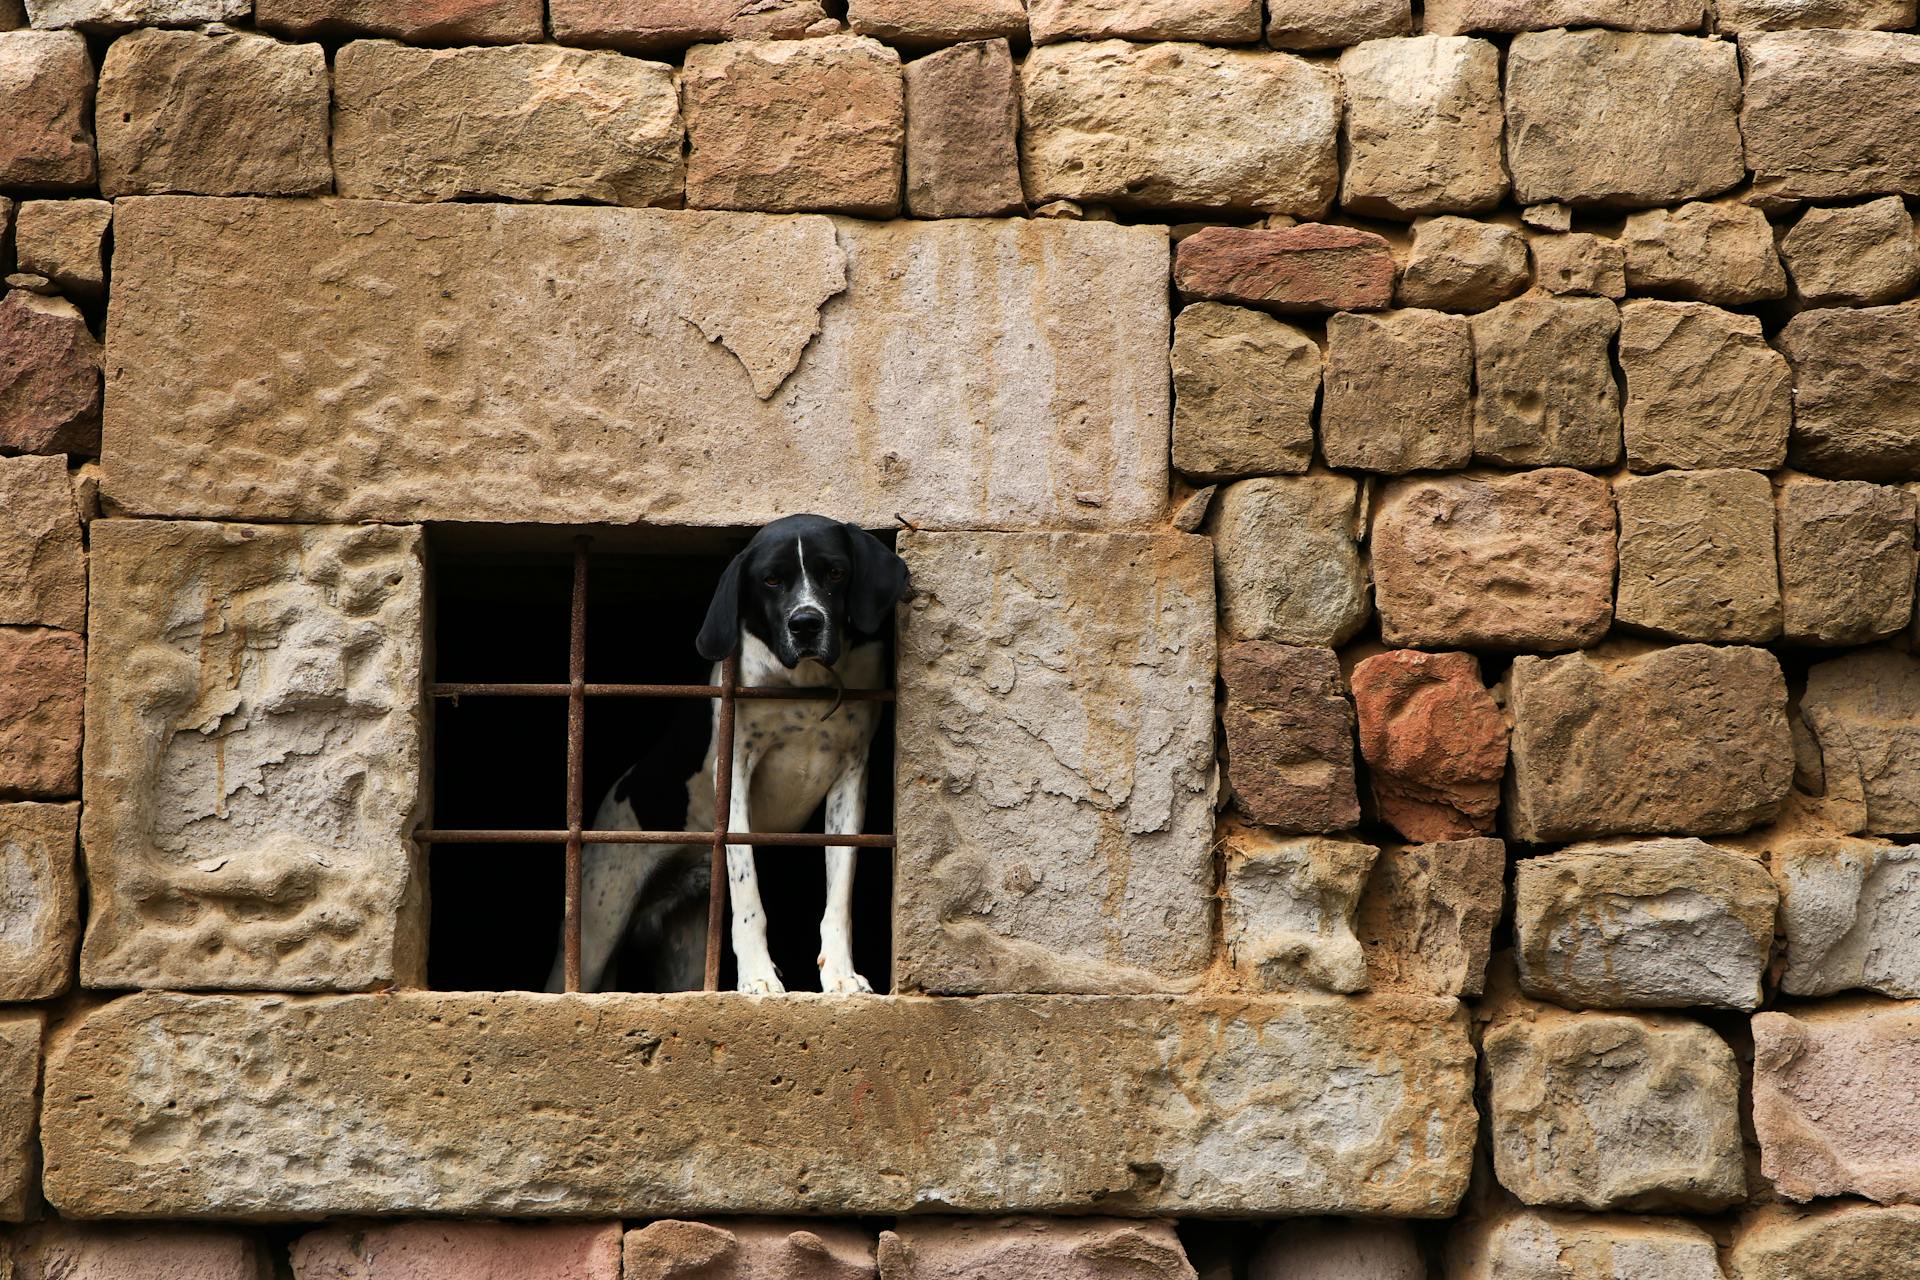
(756, 972)
(846, 805)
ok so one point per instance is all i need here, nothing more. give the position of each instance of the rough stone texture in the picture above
(1289, 732)
(1287, 554)
(1857, 256)
(39, 899)
(1426, 919)
(1451, 17)
(1688, 740)
(1020, 1248)
(1338, 1249)
(1719, 253)
(1846, 560)
(1864, 712)
(1634, 1111)
(653, 25)
(119, 15)
(428, 384)
(1735, 16)
(43, 567)
(1054, 797)
(919, 24)
(1179, 125)
(1335, 24)
(1458, 264)
(1829, 114)
(1486, 560)
(1697, 557)
(19, 1114)
(1399, 392)
(1550, 218)
(61, 240)
(1288, 910)
(1422, 127)
(460, 1251)
(253, 764)
(1611, 118)
(1703, 388)
(42, 679)
(1313, 267)
(748, 1249)
(1658, 924)
(1434, 742)
(49, 377)
(97, 1251)
(1544, 368)
(1301, 1104)
(1514, 1243)
(1856, 391)
(1850, 910)
(46, 80)
(1833, 1242)
(415, 21)
(212, 113)
(1834, 1086)
(1205, 21)
(1244, 386)
(963, 124)
(530, 122)
(1580, 265)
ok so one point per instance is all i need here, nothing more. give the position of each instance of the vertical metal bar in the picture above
(722, 815)
(576, 754)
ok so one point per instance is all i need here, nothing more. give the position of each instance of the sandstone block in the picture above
(1287, 555)
(1294, 1104)
(1846, 560)
(1864, 712)
(49, 377)
(42, 680)
(1338, 1249)
(1458, 264)
(1703, 388)
(1857, 256)
(1289, 733)
(1550, 218)
(1690, 740)
(1203, 21)
(43, 567)
(119, 15)
(654, 25)
(1739, 16)
(1311, 267)
(1544, 369)
(1719, 253)
(102, 1251)
(1019, 1248)
(1848, 910)
(646, 391)
(20, 1033)
(1244, 386)
(1179, 126)
(1827, 114)
(1399, 392)
(1434, 742)
(530, 122)
(1422, 128)
(253, 769)
(748, 1249)
(1335, 24)
(1580, 265)
(920, 24)
(62, 240)
(1289, 907)
(1834, 1089)
(1834, 1242)
(39, 899)
(1697, 558)
(1856, 391)
(1614, 1111)
(1426, 919)
(1514, 1243)
(415, 21)
(46, 80)
(1451, 17)
(963, 124)
(460, 1251)
(1055, 841)
(1621, 119)
(1520, 561)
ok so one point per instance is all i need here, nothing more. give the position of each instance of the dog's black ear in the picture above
(721, 631)
(879, 581)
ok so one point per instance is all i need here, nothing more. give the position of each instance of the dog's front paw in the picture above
(761, 984)
(850, 984)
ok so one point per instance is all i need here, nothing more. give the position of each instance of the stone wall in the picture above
(1408, 725)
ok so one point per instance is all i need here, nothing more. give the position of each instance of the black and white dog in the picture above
(808, 603)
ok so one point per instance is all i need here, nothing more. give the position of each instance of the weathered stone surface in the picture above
(1833, 1242)
(1828, 114)
(39, 899)
(212, 113)
(1251, 1121)
(119, 15)
(43, 567)
(963, 124)
(1850, 910)
(1580, 265)
(1544, 368)
(530, 122)
(1426, 919)
(919, 24)
(1335, 24)
(1834, 1090)
(1636, 1111)
(1719, 253)
(253, 767)
(1338, 1249)
(1289, 733)
(1179, 125)
(61, 240)
(42, 679)
(1289, 907)
(1550, 217)
(19, 1113)
(748, 1249)
(1689, 740)
(49, 377)
(1735, 16)
(1458, 264)
(1244, 386)
(1399, 392)
(1857, 391)
(1051, 842)
(1312, 267)
(1287, 554)
(1515, 1243)
(460, 1251)
(1611, 118)
(1519, 561)
(46, 80)
(1205, 21)
(1450, 17)
(1434, 742)
(1697, 557)
(1864, 712)
(100, 1251)
(1856, 256)
(671, 24)
(415, 21)
(1422, 127)
(1846, 560)
(1703, 388)
(426, 383)
(1019, 1248)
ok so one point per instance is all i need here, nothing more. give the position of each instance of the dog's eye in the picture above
(773, 579)
(836, 574)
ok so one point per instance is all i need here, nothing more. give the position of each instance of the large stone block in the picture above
(1434, 742)
(1244, 386)
(1703, 388)
(1335, 24)
(1833, 1242)
(63, 241)
(748, 1249)
(1856, 391)
(1426, 919)
(663, 382)
(1850, 910)
(42, 677)
(1738, 16)
(1316, 267)
(655, 25)
(20, 1033)
(1718, 253)
(1454, 16)
(1422, 128)
(1287, 554)
(460, 1251)
(102, 1251)
(1179, 125)
(46, 80)
(1399, 392)
(1846, 560)
(1054, 806)
(39, 899)
(529, 122)
(1697, 559)
(49, 377)
(1690, 740)
(295, 1108)
(1289, 732)
(1288, 910)
(415, 21)
(43, 567)
(1204, 21)
(1857, 256)
(118, 15)
(1863, 710)
(253, 764)
(1544, 370)
(1020, 1248)
(963, 125)
(1828, 114)
(1459, 264)
(1513, 1243)
(919, 24)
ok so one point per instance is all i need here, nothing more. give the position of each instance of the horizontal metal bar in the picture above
(822, 693)
(651, 837)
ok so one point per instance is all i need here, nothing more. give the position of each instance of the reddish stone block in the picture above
(1434, 740)
(46, 84)
(1289, 737)
(42, 681)
(49, 377)
(415, 21)
(673, 24)
(460, 1251)
(1312, 267)
(104, 1251)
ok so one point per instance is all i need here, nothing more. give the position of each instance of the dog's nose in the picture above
(806, 622)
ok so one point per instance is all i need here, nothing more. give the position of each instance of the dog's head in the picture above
(806, 586)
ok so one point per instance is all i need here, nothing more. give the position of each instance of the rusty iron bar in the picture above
(576, 756)
(722, 813)
(454, 689)
(538, 836)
